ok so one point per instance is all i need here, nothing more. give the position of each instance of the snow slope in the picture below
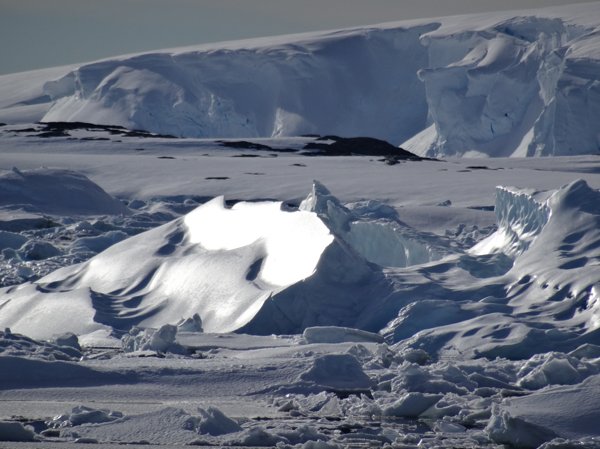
(522, 83)
(542, 297)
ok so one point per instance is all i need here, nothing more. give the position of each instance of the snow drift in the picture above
(501, 84)
(253, 267)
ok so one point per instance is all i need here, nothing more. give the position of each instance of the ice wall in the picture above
(526, 86)
(345, 83)
(520, 218)
(521, 83)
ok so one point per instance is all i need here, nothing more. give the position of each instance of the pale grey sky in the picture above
(46, 33)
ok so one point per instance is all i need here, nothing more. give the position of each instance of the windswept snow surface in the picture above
(521, 83)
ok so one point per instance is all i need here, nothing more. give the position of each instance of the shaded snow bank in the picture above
(571, 413)
(54, 191)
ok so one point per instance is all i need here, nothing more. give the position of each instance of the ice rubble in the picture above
(204, 427)
(517, 83)
(341, 393)
(64, 347)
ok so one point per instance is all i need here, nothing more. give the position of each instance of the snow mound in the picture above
(338, 372)
(499, 84)
(164, 426)
(254, 268)
(15, 431)
(83, 415)
(214, 422)
(54, 191)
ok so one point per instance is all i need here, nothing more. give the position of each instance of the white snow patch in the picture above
(293, 241)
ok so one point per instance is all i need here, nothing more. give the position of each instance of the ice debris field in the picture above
(197, 249)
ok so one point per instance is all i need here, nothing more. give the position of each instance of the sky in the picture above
(47, 33)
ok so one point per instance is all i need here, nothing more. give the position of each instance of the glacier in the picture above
(520, 83)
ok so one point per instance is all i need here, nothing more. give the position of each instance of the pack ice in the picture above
(518, 83)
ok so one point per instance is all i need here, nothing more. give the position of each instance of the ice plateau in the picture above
(520, 83)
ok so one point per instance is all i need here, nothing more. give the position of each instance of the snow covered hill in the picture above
(521, 83)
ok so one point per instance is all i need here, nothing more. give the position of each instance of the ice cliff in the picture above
(522, 83)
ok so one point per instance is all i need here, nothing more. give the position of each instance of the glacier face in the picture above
(498, 84)
(337, 83)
